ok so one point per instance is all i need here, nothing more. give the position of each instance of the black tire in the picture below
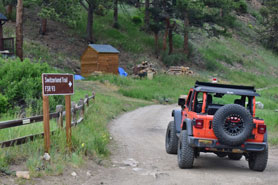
(234, 156)
(258, 160)
(221, 154)
(171, 141)
(185, 152)
(232, 124)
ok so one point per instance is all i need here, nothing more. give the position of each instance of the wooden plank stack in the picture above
(179, 70)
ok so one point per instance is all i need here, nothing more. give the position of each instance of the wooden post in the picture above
(68, 120)
(19, 29)
(82, 111)
(87, 99)
(74, 118)
(46, 124)
(59, 109)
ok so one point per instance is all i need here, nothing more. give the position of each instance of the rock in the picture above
(130, 162)
(88, 173)
(276, 110)
(137, 169)
(46, 157)
(74, 174)
(23, 174)
(259, 105)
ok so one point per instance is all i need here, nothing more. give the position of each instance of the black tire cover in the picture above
(232, 124)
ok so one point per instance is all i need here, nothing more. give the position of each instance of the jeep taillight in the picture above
(199, 123)
(261, 129)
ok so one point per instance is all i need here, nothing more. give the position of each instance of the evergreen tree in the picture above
(270, 31)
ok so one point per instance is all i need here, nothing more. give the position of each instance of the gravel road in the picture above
(140, 157)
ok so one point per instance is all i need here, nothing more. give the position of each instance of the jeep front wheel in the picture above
(171, 140)
(185, 152)
(258, 160)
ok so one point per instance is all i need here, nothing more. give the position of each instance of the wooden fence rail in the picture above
(59, 115)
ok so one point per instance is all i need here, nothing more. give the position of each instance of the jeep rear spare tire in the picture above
(232, 124)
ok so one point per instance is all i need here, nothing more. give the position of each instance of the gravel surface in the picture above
(140, 157)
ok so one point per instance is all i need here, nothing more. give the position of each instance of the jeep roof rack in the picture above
(225, 89)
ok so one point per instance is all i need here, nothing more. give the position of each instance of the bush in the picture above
(101, 10)
(174, 59)
(136, 20)
(20, 83)
(241, 6)
(3, 104)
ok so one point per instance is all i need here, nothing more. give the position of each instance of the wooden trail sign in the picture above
(56, 84)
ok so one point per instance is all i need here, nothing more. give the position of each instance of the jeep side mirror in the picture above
(181, 102)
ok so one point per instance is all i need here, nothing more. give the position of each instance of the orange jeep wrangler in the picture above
(220, 119)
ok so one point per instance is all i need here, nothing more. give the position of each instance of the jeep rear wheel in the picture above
(232, 124)
(258, 160)
(185, 152)
(234, 156)
(171, 141)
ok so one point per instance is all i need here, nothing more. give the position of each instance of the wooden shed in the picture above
(96, 57)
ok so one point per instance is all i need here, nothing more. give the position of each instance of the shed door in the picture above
(103, 66)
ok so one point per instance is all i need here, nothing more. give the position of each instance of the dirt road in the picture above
(140, 157)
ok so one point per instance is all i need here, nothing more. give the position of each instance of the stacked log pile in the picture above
(179, 70)
(144, 69)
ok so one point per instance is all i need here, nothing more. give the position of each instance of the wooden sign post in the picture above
(56, 84)
(46, 124)
(68, 120)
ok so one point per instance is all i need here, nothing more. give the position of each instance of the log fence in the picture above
(77, 112)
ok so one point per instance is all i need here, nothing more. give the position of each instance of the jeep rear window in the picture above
(216, 100)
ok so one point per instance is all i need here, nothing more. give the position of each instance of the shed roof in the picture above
(3, 17)
(104, 48)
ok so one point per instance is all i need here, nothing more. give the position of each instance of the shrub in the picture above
(3, 104)
(136, 20)
(101, 10)
(20, 83)
(174, 59)
(241, 6)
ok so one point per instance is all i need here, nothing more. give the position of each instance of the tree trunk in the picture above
(9, 11)
(167, 21)
(170, 41)
(137, 5)
(147, 13)
(43, 26)
(186, 31)
(116, 25)
(19, 29)
(171, 29)
(90, 23)
(156, 44)
(1, 37)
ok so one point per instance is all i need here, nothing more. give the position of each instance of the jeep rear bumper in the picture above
(214, 145)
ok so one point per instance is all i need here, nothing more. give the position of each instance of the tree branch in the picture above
(84, 6)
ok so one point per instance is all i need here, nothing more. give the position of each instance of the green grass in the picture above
(128, 37)
(162, 87)
(89, 139)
